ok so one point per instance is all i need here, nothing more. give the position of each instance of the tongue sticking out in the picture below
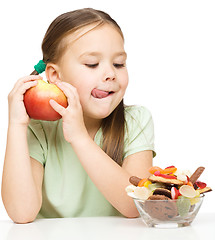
(99, 93)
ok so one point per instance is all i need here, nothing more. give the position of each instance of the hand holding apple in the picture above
(37, 98)
(74, 128)
(16, 108)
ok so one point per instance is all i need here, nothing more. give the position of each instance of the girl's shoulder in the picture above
(139, 130)
(137, 113)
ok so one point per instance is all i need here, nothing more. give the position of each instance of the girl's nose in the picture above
(109, 74)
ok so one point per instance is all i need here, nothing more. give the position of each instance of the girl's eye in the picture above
(117, 65)
(92, 65)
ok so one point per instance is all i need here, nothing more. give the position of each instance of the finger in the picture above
(23, 88)
(66, 87)
(27, 86)
(70, 91)
(27, 79)
(18, 94)
(57, 107)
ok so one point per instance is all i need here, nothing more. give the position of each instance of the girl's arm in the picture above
(22, 176)
(110, 178)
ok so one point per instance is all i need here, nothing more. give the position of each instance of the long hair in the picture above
(53, 47)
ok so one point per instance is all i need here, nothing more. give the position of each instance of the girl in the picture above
(79, 165)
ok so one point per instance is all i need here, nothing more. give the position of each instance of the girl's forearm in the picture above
(110, 178)
(19, 193)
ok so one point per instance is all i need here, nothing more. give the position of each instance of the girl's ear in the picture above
(52, 73)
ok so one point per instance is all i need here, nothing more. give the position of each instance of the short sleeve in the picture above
(139, 133)
(37, 143)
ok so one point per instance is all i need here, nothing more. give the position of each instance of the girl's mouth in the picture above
(97, 93)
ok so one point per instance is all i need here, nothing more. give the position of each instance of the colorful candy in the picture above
(187, 191)
(158, 173)
(177, 182)
(169, 184)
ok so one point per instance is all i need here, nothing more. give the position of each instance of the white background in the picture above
(171, 64)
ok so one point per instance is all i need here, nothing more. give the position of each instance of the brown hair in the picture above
(113, 126)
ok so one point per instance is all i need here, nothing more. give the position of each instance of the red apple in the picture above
(36, 100)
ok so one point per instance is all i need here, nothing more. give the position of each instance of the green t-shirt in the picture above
(67, 190)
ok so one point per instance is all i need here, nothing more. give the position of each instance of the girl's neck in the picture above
(92, 126)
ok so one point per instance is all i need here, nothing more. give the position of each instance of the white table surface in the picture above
(203, 227)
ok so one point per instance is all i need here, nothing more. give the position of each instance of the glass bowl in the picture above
(168, 213)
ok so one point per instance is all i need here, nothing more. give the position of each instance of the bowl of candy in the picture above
(169, 198)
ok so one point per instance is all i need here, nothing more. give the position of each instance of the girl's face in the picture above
(95, 64)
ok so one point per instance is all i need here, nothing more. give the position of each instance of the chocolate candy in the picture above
(196, 174)
(134, 180)
(162, 191)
